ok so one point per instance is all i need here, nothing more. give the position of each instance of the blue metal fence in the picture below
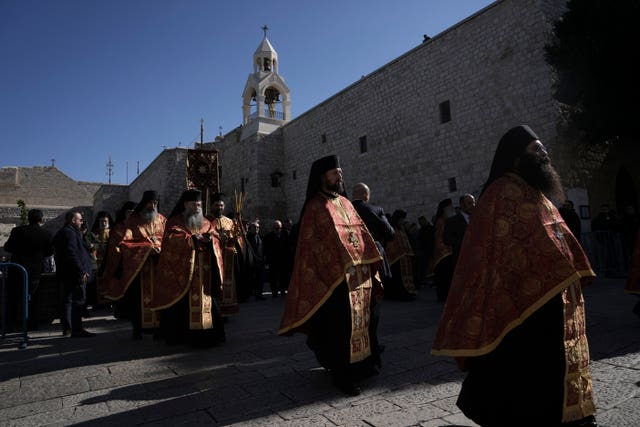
(4, 268)
(605, 252)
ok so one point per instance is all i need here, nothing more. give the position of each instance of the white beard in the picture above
(149, 215)
(194, 221)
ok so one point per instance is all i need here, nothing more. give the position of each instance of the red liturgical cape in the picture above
(181, 263)
(333, 246)
(516, 255)
(135, 246)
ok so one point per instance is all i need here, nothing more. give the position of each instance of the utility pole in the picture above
(109, 169)
(201, 132)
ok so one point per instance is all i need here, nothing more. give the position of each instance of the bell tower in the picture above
(266, 101)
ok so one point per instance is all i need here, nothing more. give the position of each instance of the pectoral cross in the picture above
(353, 240)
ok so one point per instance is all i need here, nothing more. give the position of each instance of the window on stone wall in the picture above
(363, 144)
(453, 186)
(276, 178)
(323, 138)
(445, 112)
(294, 175)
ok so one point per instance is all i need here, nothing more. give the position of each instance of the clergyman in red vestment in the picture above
(139, 249)
(333, 290)
(187, 277)
(515, 317)
(227, 251)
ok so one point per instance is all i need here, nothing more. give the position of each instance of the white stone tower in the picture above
(266, 103)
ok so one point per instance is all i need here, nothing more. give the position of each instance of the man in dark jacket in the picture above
(74, 267)
(376, 221)
(28, 245)
(276, 251)
(572, 218)
(455, 226)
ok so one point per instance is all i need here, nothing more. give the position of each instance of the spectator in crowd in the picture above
(276, 250)
(572, 218)
(424, 252)
(633, 280)
(73, 270)
(29, 246)
(455, 226)
(605, 221)
(377, 223)
(255, 262)
(442, 260)
(629, 226)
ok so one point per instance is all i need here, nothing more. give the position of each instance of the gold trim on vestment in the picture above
(327, 295)
(517, 322)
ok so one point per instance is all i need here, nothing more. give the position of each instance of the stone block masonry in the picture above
(488, 70)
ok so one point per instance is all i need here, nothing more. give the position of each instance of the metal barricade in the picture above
(4, 268)
(605, 252)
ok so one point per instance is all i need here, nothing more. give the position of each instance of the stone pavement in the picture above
(260, 379)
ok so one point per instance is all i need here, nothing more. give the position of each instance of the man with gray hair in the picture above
(74, 269)
(376, 221)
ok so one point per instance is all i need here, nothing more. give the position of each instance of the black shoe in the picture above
(136, 336)
(66, 333)
(636, 309)
(82, 333)
(365, 372)
(589, 421)
(347, 387)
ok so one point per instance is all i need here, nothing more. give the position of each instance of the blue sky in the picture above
(85, 80)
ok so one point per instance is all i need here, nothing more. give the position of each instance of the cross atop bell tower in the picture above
(266, 98)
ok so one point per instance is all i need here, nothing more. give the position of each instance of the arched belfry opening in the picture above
(266, 98)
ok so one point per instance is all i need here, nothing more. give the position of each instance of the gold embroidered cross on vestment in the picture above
(353, 238)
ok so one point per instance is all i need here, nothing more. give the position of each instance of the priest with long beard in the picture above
(188, 280)
(515, 318)
(139, 248)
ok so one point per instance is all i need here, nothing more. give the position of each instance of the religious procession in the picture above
(451, 283)
(179, 279)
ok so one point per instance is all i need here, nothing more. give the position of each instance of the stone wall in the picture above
(167, 175)
(110, 197)
(490, 69)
